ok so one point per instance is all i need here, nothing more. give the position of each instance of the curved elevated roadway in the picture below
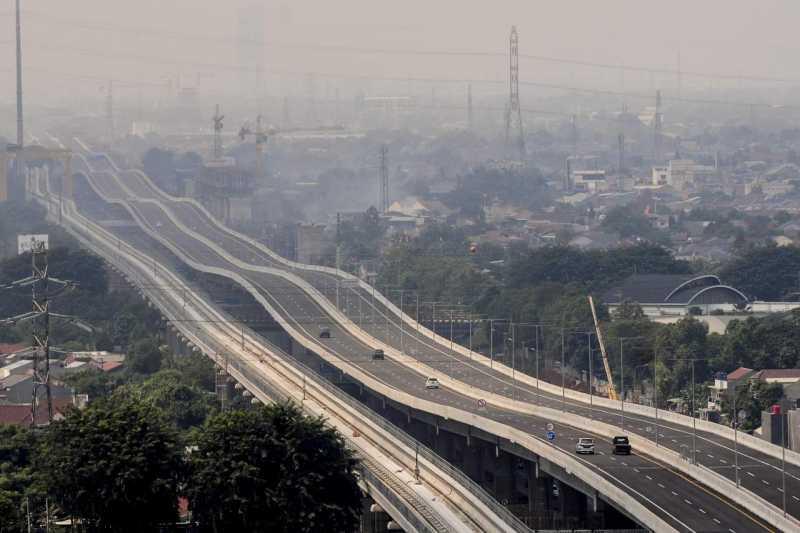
(297, 298)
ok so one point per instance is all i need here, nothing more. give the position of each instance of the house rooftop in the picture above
(739, 373)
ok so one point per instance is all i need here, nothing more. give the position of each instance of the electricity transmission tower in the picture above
(383, 201)
(514, 111)
(40, 315)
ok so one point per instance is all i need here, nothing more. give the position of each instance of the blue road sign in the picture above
(551, 436)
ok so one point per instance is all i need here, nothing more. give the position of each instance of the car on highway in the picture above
(377, 355)
(325, 333)
(431, 383)
(585, 445)
(621, 444)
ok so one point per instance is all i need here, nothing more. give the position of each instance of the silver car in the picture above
(585, 445)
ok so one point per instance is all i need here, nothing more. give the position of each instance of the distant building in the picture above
(660, 294)
(310, 243)
(593, 181)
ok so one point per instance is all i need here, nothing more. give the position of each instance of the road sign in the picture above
(551, 436)
(482, 404)
(550, 426)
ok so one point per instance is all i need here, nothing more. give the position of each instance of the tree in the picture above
(272, 469)
(17, 446)
(145, 357)
(183, 404)
(768, 272)
(115, 465)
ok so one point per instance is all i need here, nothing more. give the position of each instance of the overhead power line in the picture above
(139, 31)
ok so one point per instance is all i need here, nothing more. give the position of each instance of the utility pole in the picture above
(573, 122)
(383, 201)
(110, 112)
(657, 124)
(285, 120)
(20, 133)
(620, 153)
(469, 107)
(514, 111)
(217, 118)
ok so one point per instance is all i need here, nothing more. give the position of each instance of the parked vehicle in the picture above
(585, 445)
(622, 445)
(325, 333)
(377, 355)
(432, 383)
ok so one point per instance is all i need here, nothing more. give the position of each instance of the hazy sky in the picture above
(148, 40)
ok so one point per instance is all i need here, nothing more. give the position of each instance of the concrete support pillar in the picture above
(67, 180)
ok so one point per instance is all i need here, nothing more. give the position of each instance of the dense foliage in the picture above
(116, 465)
(272, 469)
(767, 273)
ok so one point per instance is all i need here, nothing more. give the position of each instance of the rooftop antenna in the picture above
(514, 112)
(217, 118)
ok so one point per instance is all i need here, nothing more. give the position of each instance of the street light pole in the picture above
(470, 338)
(655, 390)
(563, 383)
(491, 343)
(694, 422)
(417, 294)
(513, 361)
(591, 395)
(735, 437)
(621, 387)
(538, 394)
(783, 459)
(402, 349)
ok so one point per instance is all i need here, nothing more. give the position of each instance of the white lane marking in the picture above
(708, 454)
(662, 486)
(674, 493)
(648, 477)
(796, 498)
(716, 520)
(702, 510)
(751, 474)
(635, 469)
(687, 501)
(723, 461)
(765, 482)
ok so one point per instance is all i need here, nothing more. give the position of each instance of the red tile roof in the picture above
(779, 373)
(20, 414)
(6, 348)
(739, 373)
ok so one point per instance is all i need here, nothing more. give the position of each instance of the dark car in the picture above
(622, 445)
(325, 334)
(377, 355)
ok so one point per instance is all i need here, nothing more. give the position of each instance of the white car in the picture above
(431, 383)
(585, 445)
